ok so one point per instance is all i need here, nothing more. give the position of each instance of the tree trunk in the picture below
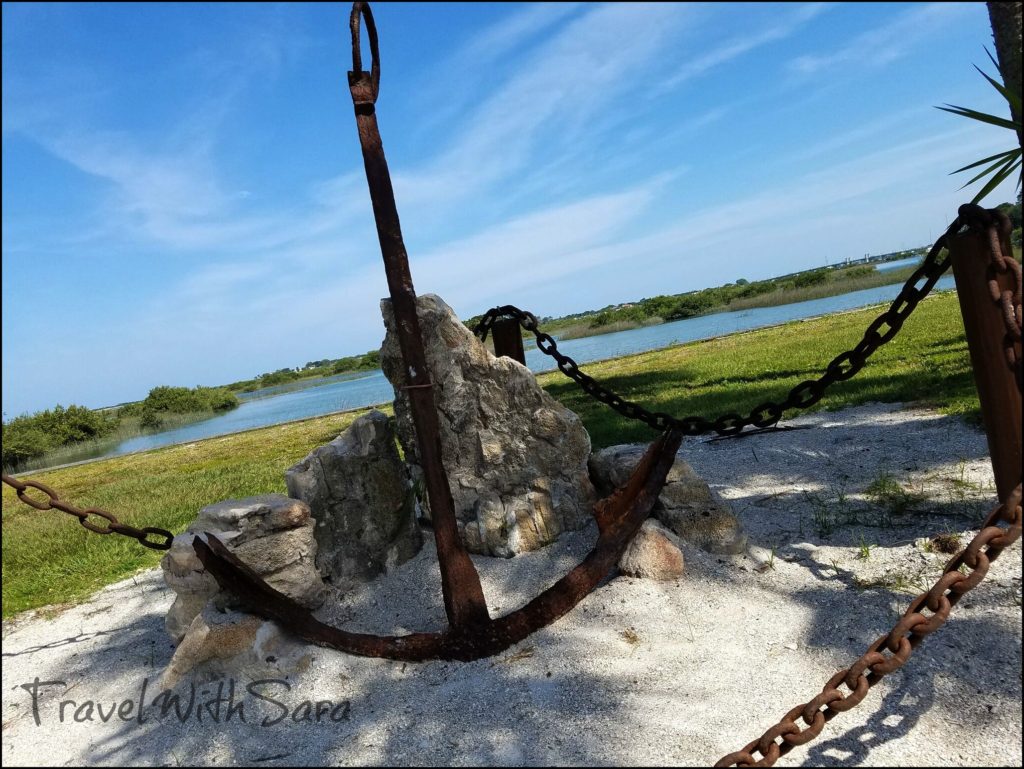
(1006, 31)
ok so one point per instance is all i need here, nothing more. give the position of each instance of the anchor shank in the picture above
(463, 596)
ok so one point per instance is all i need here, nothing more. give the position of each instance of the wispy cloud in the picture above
(886, 43)
(166, 190)
(787, 216)
(569, 78)
(505, 36)
(875, 128)
(474, 63)
(738, 46)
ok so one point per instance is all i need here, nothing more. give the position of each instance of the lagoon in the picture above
(266, 408)
(912, 261)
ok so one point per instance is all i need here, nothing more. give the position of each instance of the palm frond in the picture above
(1000, 166)
(980, 116)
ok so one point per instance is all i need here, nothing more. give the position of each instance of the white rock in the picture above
(359, 492)
(271, 534)
(516, 458)
(654, 553)
(234, 645)
(685, 505)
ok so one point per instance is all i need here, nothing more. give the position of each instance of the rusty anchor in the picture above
(472, 633)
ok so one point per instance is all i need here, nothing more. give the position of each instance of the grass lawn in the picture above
(927, 362)
(49, 559)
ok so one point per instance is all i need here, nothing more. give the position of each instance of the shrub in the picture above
(30, 436)
(130, 409)
(150, 421)
(182, 400)
(278, 377)
(24, 441)
(812, 278)
(688, 306)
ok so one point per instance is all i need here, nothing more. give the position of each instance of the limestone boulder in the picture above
(686, 504)
(271, 534)
(360, 494)
(516, 458)
(654, 553)
(234, 645)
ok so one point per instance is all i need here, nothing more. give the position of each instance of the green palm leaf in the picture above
(996, 179)
(980, 116)
(1002, 164)
(984, 160)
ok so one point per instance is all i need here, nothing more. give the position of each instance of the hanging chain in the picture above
(112, 526)
(804, 395)
(891, 651)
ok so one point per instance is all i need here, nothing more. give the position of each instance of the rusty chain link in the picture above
(891, 651)
(113, 526)
(844, 366)
(995, 224)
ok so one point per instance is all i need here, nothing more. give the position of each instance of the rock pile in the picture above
(271, 533)
(520, 469)
(516, 458)
(686, 505)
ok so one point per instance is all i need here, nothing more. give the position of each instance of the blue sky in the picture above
(184, 200)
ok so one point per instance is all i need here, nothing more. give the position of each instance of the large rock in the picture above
(516, 458)
(234, 645)
(654, 553)
(686, 504)
(361, 497)
(272, 534)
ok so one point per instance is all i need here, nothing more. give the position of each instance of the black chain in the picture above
(804, 395)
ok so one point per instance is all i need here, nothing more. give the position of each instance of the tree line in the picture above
(368, 361)
(32, 435)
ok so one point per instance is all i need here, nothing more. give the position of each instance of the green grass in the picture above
(927, 362)
(48, 558)
(822, 290)
(888, 494)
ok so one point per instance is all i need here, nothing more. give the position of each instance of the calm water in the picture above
(263, 408)
(263, 411)
(886, 266)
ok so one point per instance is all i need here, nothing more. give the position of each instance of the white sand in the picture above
(721, 655)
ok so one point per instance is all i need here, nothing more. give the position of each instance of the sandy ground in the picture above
(640, 673)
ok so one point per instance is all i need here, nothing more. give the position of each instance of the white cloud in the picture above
(884, 44)
(506, 35)
(590, 63)
(739, 46)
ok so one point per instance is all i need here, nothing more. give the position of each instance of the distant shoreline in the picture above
(387, 403)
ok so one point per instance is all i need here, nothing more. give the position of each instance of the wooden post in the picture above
(997, 389)
(508, 339)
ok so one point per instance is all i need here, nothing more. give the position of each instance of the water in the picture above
(263, 408)
(256, 411)
(300, 384)
(913, 261)
(620, 343)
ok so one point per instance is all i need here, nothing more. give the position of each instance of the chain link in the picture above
(112, 524)
(891, 651)
(995, 225)
(804, 395)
